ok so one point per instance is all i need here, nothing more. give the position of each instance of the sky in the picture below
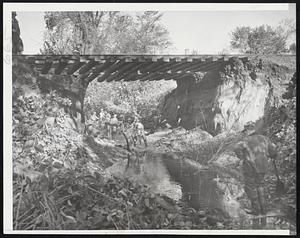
(207, 32)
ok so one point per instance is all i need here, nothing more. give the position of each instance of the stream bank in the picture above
(184, 180)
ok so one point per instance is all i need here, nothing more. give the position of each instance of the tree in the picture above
(262, 39)
(17, 43)
(104, 33)
(150, 33)
(240, 38)
(287, 28)
(109, 33)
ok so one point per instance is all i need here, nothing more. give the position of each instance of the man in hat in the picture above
(114, 123)
(138, 132)
(254, 151)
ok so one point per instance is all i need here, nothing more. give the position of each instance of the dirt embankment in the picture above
(226, 101)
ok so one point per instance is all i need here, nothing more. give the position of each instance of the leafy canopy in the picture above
(263, 39)
(104, 33)
(111, 33)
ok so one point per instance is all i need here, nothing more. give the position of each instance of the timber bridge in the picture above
(71, 74)
(128, 67)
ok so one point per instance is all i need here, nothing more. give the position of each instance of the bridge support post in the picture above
(71, 87)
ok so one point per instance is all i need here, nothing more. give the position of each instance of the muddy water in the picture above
(180, 179)
(198, 185)
(175, 179)
(152, 173)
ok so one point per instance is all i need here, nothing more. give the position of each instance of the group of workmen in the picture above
(105, 122)
(112, 126)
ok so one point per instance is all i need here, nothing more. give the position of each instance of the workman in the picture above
(254, 152)
(138, 132)
(114, 123)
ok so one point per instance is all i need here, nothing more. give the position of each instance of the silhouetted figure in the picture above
(102, 118)
(17, 44)
(254, 151)
(114, 123)
(138, 133)
(260, 64)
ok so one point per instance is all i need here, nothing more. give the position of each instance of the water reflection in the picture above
(181, 179)
(199, 188)
(175, 179)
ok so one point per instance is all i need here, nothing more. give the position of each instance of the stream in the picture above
(180, 179)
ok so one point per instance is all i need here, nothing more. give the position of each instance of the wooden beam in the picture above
(156, 67)
(103, 67)
(159, 76)
(152, 64)
(112, 68)
(98, 70)
(46, 67)
(180, 75)
(61, 66)
(39, 64)
(186, 64)
(174, 76)
(198, 66)
(134, 71)
(88, 66)
(135, 75)
(213, 65)
(173, 63)
(216, 67)
(142, 66)
(149, 76)
(124, 71)
(117, 65)
(74, 67)
(131, 77)
(101, 78)
(85, 59)
(91, 77)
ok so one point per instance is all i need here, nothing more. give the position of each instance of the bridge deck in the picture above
(127, 67)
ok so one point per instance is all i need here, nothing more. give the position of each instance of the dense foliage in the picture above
(104, 33)
(112, 33)
(281, 128)
(128, 98)
(263, 39)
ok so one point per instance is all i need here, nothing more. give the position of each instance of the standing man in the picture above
(254, 151)
(138, 132)
(101, 118)
(114, 122)
(94, 117)
(108, 126)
